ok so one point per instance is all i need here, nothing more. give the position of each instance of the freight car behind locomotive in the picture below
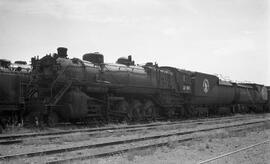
(252, 96)
(12, 83)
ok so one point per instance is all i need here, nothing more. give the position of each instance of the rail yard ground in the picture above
(181, 148)
(203, 148)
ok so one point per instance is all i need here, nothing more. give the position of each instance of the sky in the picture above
(225, 37)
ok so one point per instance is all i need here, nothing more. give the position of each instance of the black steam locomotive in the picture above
(75, 89)
(57, 89)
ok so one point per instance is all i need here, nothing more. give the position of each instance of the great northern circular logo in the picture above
(206, 85)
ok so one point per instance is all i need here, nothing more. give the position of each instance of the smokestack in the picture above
(62, 52)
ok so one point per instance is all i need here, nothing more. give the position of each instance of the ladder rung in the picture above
(59, 95)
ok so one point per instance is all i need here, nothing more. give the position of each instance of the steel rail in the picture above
(25, 135)
(104, 154)
(74, 148)
(233, 152)
(109, 153)
(11, 139)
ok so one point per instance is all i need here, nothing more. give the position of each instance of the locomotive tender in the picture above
(75, 89)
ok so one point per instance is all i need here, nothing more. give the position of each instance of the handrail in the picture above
(59, 95)
(111, 74)
(59, 75)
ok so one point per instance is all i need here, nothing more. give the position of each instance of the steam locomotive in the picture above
(63, 89)
(55, 88)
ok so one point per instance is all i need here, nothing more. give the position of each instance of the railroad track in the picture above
(19, 138)
(127, 144)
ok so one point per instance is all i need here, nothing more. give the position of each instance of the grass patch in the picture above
(131, 155)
